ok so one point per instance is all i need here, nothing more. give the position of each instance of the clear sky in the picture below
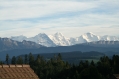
(70, 17)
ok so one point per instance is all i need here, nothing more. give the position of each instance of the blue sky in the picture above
(70, 17)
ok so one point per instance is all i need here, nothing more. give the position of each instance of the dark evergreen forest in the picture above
(56, 68)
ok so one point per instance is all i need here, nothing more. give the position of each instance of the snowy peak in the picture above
(42, 39)
(89, 33)
(58, 34)
(90, 37)
(40, 35)
(59, 39)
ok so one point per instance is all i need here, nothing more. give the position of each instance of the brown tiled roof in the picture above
(17, 72)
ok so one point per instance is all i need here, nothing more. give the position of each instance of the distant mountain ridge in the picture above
(107, 44)
(107, 47)
(8, 44)
(58, 39)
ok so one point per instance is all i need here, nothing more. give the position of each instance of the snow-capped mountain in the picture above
(58, 39)
(87, 37)
(42, 39)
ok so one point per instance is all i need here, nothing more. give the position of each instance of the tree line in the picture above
(56, 68)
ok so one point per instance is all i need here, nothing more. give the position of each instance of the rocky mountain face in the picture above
(42, 39)
(8, 44)
(58, 39)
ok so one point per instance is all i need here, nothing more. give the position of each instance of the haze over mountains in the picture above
(58, 39)
(58, 43)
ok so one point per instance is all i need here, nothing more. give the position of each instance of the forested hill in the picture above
(56, 68)
(80, 47)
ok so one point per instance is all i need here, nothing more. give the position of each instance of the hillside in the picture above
(86, 47)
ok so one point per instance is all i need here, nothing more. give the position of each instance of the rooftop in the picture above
(17, 72)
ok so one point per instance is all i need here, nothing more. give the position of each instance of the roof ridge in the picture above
(17, 65)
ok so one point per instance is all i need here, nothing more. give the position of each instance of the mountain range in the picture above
(58, 39)
(58, 43)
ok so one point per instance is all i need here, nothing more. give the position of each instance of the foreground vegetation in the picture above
(56, 68)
